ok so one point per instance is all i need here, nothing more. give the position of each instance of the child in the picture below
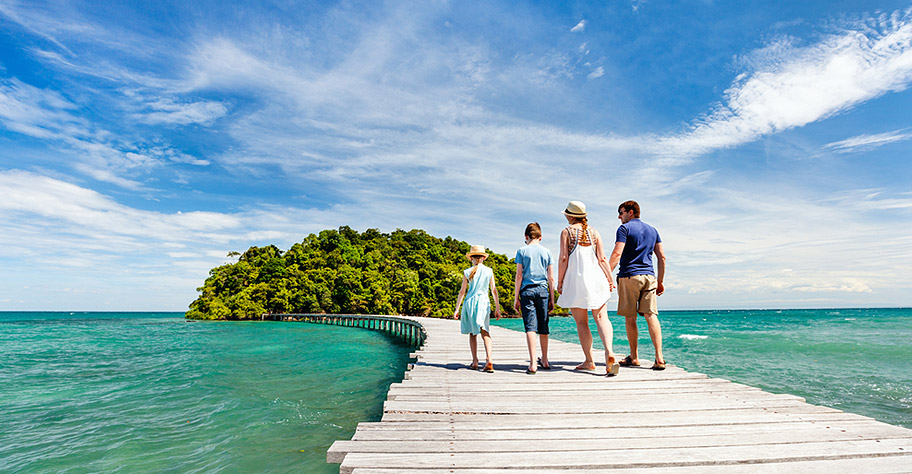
(532, 291)
(476, 310)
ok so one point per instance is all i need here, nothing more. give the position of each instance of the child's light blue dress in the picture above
(476, 307)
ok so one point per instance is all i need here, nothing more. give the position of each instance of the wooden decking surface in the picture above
(447, 418)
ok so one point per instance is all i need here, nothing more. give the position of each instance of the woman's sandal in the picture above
(612, 367)
(628, 362)
(658, 365)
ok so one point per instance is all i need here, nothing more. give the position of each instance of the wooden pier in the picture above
(447, 418)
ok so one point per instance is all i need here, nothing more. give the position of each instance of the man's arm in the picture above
(660, 263)
(616, 255)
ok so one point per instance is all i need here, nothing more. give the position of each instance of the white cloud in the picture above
(596, 73)
(867, 142)
(581, 26)
(168, 111)
(86, 212)
(797, 86)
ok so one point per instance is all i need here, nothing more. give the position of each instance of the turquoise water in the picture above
(855, 360)
(105, 392)
(138, 392)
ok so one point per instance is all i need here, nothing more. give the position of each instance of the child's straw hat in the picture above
(575, 209)
(477, 250)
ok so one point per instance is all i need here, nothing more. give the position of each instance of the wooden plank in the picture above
(623, 459)
(445, 431)
(606, 441)
(882, 465)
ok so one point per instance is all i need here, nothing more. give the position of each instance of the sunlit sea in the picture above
(151, 392)
(141, 392)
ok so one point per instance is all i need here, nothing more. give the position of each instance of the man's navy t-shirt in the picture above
(640, 239)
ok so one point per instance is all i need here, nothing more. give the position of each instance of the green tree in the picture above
(344, 271)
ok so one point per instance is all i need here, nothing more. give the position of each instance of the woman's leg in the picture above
(486, 338)
(606, 333)
(581, 318)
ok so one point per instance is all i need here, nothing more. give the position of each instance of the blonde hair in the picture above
(476, 261)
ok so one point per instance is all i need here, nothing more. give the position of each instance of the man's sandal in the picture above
(628, 362)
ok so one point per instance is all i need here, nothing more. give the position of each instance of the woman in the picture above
(585, 283)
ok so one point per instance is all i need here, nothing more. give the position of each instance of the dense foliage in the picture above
(347, 272)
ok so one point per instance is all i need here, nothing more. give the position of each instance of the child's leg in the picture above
(543, 340)
(486, 338)
(530, 343)
(473, 346)
(541, 312)
(581, 318)
(606, 333)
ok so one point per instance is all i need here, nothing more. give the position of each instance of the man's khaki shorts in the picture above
(637, 294)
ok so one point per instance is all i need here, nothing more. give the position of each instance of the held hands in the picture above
(611, 284)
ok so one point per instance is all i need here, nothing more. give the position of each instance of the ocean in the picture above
(151, 392)
(146, 392)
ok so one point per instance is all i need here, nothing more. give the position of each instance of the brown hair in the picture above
(630, 206)
(476, 260)
(584, 239)
(533, 231)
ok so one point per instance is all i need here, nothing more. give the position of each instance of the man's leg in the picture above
(655, 333)
(628, 295)
(581, 317)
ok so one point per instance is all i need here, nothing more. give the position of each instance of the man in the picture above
(638, 285)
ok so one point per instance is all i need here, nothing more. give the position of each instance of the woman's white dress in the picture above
(585, 284)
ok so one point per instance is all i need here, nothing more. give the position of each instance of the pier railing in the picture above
(410, 332)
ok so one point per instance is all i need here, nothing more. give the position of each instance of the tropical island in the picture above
(346, 272)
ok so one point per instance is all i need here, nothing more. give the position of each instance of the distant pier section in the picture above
(408, 330)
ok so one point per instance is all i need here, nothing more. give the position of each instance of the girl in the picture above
(585, 283)
(476, 310)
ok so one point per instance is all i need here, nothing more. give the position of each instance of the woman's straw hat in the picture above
(477, 250)
(575, 209)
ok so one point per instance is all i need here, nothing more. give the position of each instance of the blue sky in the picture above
(769, 142)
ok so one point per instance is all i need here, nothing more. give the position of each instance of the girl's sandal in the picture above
(489, 368)
(473, 366)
